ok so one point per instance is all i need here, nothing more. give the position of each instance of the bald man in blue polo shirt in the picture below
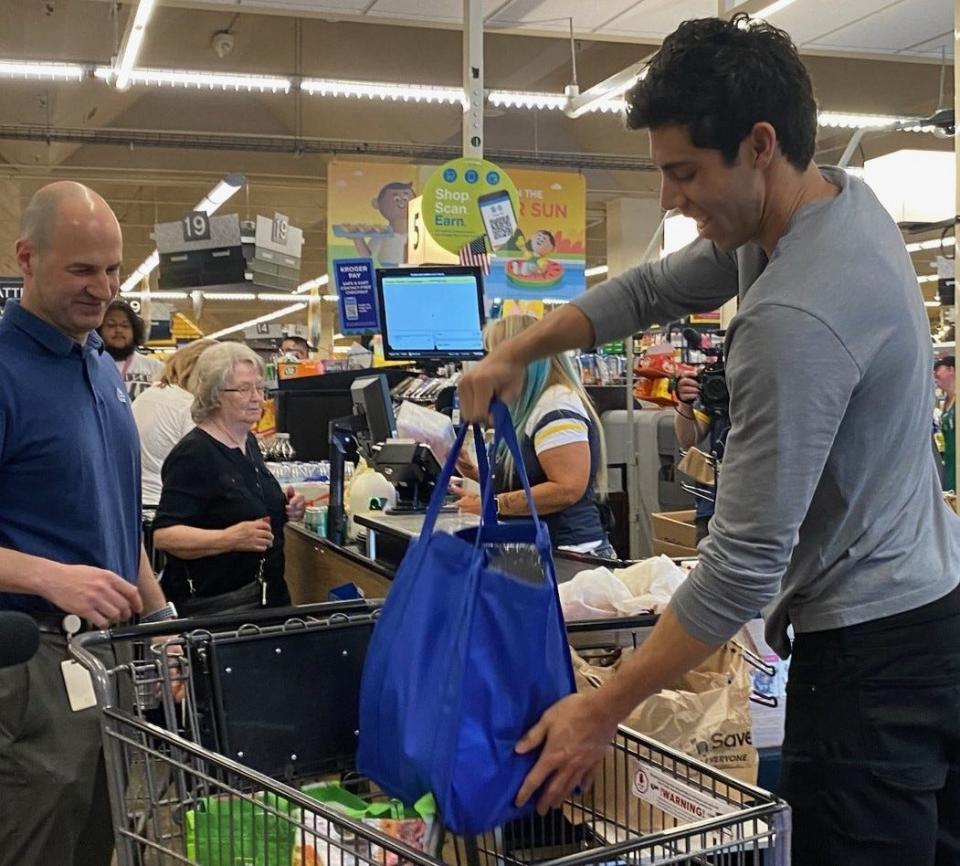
(70, 524)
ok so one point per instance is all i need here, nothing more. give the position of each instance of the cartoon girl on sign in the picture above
(536, 259)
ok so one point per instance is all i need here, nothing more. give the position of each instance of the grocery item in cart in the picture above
(643, 587)
(222, 830)
(465, 658)
(323, 844)
(705, 715)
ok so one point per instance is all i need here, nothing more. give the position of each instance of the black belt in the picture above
(49, 622)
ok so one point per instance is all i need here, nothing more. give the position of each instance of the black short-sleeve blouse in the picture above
(208, 485)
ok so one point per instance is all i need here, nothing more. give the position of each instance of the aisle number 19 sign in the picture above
(196, 226)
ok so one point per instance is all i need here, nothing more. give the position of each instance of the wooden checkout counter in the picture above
(315, 565)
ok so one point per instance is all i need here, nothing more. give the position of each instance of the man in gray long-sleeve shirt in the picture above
(829, 517)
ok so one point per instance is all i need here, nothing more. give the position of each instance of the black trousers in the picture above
(871, 754)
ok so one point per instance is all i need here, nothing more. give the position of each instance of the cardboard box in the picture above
(675, 527)
(674, 551)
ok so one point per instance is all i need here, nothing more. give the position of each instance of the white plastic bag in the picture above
(592, 594)
(650, 585)
(427, 426)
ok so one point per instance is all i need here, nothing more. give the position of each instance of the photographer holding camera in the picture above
(695, 422)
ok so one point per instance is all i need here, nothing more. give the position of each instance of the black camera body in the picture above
(714, 395)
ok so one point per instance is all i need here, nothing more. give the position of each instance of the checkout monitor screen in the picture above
(432, 312)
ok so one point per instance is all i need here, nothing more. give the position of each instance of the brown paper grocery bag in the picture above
(706, 715)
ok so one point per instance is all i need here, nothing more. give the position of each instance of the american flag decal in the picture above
(475, 254)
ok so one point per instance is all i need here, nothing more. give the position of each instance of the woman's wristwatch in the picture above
(161, 614)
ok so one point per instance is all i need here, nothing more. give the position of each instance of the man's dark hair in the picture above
(718, 78)
(945, 361)
(303, 344)
(139, 329)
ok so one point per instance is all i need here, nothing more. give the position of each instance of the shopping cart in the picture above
(216, 778)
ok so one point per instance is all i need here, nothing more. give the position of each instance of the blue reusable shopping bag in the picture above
(464, 660)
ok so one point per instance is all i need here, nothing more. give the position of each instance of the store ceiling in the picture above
(147, 180)
(920, 28)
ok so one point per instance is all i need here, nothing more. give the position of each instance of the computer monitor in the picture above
(371, 401)
(433, 312)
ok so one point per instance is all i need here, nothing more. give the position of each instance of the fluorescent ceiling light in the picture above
(597, 271)
(604, 95)
(931, 303)
(310, 285)
(381, 90)
(223, 191)
(144, 269)
(202, 80)
(229, 296)
(540, 101)
(772, 9)
(131, 46)
(934, 244)
(281, 297)
(859, 121)
(208, 204)
(526, 99)
(42, 71)
(932, 278)
(158, 296)
(276, 314)
(331, 297)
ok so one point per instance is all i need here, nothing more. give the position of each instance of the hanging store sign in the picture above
(357, 297)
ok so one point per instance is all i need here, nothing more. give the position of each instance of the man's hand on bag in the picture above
(255, 535)
(94, 594)
(497, 375)
(575, 733)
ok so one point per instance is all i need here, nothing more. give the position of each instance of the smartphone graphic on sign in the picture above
(499, 217)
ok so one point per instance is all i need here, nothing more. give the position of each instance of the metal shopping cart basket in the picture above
(269, 704)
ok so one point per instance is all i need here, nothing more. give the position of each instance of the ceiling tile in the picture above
(654, 19)
(890, 27)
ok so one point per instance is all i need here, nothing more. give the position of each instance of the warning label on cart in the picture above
(674, 797)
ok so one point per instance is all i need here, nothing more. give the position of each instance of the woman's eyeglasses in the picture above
(248, 389)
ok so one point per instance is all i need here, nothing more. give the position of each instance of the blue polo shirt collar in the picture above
(54, 341)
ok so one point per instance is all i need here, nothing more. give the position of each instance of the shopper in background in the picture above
(693, 424)
(69, 522)
(294, 348)
(221, 514)
(945, 377)
(162, 415)
(122, 331)
(561, 441)
(829, 516)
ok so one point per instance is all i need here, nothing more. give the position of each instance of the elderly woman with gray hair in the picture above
(221, 514)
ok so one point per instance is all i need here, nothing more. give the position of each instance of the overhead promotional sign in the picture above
(467, 200)
(357, 295)
(526, 228)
